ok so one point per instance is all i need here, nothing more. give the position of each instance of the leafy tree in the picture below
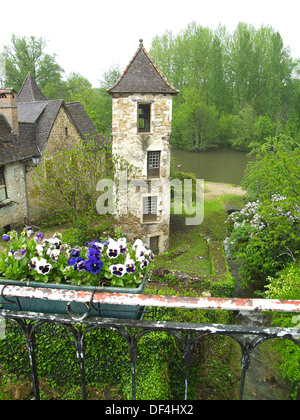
(96, 101)
(26, 55)
(65, 183)
(245, 128)
(265, 236)
(246, 76)
(196, 124)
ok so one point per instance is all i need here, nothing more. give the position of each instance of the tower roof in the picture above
(30, 92)
(142, 76)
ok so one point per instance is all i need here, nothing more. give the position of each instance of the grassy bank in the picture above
(198, 250)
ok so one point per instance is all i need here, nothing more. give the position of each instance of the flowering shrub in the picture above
(265, 236)
(114, 262)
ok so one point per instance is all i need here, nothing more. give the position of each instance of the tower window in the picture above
(144, 112)
(3, 193)
(66, 132)
(149, 209)
(153, 165)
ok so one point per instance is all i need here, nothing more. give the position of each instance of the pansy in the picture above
(39, 249)
(137, 243)
(122, 245)
(19, 255)
(93, 265)
(112, 249)
(150, 254)
(140, 251)
(54, 254)
(43, 268)
(74, 252)
(33, 263)
(39, 237)
(118, 270)
(29, 231)
(143, 261)
(93, 252)
(130, 266)
(80, 265)
(54, 242)
(5, 238)
(97, 245)
(73, 260)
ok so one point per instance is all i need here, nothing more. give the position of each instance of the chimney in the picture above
(8, 107)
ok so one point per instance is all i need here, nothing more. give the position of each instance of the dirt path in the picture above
(214, 190)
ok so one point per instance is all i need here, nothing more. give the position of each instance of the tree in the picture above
(265, 235)
(196, 124)
(96, 101)
(26, 55)
(65, 183)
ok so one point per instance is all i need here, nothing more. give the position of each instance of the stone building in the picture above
(30, 127)
(141, 128)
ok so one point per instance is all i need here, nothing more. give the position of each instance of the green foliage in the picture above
(26, 55)
(265, 234)
(276, 170)
(234, 88)
(223, 288)
(286, 285)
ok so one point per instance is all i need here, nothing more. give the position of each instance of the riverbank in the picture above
(214, 190)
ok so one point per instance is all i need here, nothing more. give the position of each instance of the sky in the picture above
(90, 36)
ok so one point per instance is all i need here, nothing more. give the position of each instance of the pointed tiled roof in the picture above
(142, 76)
(30, 92)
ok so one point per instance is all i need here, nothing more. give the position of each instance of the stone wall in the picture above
(13, 211)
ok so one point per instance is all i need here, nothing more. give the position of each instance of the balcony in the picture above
(81, 328)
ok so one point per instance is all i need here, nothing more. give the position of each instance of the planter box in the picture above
(60, 307)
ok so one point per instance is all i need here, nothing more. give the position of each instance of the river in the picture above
(217, 165)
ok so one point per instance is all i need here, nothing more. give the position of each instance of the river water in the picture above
(217, 165)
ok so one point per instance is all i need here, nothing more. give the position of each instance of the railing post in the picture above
(28, 331)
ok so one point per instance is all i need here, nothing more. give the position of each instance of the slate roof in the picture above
(30, 92)
(15, 148)
(142, 76)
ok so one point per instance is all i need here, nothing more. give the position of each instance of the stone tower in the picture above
(141, 125)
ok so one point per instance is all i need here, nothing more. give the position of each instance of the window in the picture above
(154, 244)
(153, 165)
(3, 193)
(66, 131)
(144, 118)
(149, 209)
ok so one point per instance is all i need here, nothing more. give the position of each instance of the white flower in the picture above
(54, 254)
(113, 249)
(43, 267)
(137, 243)
(118, 270)
(39, 249)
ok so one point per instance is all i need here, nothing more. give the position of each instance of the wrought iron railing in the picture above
(188, 334)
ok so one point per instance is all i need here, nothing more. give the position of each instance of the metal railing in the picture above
(188, 334)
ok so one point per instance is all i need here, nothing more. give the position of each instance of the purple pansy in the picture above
(93, 265)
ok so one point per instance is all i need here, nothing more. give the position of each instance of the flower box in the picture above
(60, 307)
(112, 266)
